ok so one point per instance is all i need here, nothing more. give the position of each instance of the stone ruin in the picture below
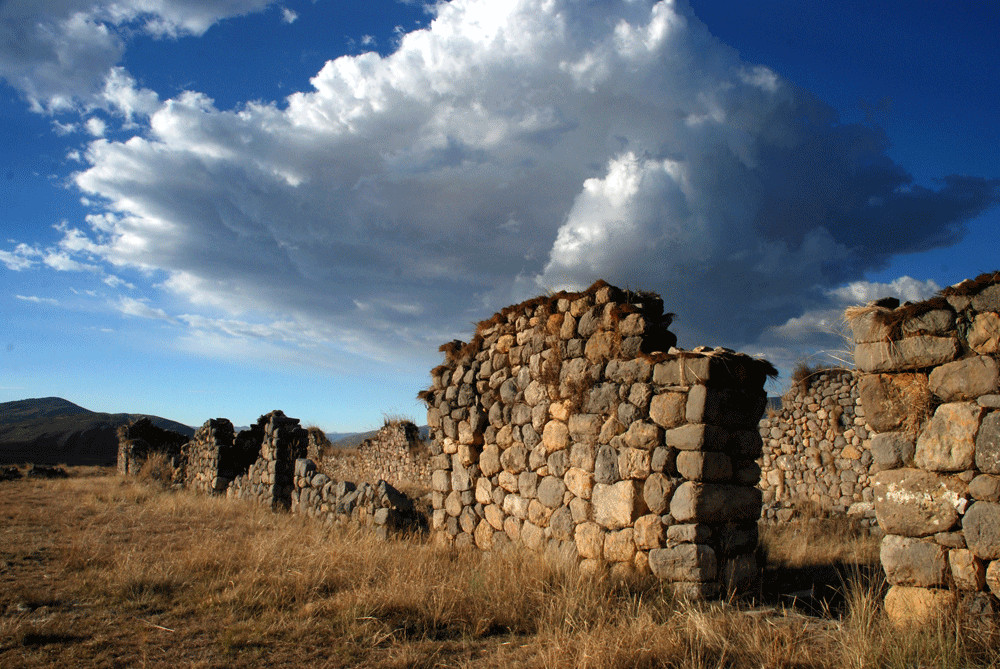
(139, 439)
(930, 387)
(570, 424)
(396, 454)
(817, 455)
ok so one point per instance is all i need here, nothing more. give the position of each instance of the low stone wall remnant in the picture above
(930, 388)
(395, 454)
(140, 439)
(571, 424)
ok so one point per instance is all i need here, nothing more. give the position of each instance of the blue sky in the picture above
(221, 207)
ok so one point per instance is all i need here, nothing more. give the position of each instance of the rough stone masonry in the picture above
(571, 424)
(930, 388)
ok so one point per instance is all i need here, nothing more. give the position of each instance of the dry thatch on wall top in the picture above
(973, 286)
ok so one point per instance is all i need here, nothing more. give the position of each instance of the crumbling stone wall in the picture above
(817, 450)
(140, 439)
(379, 506)
(570, 424)
(214, 459)
(269, 480)
(930, 387)
(395, 454)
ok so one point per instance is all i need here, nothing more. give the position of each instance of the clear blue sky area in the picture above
(223, 207)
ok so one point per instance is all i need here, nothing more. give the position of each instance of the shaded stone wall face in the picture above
(379, 506)
(214, 459)
(564, 427)
(269, 480)
(140, 439)
(929, 388)
(817, 451)
(396, 454)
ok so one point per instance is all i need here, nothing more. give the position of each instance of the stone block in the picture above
(657, 491)
(903, 354)
(634, 463)
(619, 546)
(982, 529)
(617, 505)
(512, 528)
(494, 516)
(934, 322)
(483, 536)
(891, 450)
(583, 429)
(988, 444)
(965, 379)
(589, 539)
(648, 532)
(714, 503)
(948, 441)
(532, 536)
(684, 562)
(489, 460)
(579, 482)
(985, 487)
(441, 480)
(689, 533)
(984, 336)
(909, 561)
(484, 490)
(887, 398)
(453, 504)
(507, 481)
(695, 437)
(561, 523)
(907, 606)
(517, 506)
(668, 409)
(915, 503)
(514, 459)
(704, 466)
(987, 299)
(993, 578)
(641, 434)
(538, 513)
(550, 491)
(555, 436)
(606, 465)
(967, 571)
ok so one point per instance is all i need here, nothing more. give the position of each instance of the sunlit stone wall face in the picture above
(571, 425)
(929, 386)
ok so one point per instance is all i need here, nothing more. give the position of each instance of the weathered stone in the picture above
(985, 487)
(909, 561)
(515, 505)
(619, 546)
(688, 534)
(507, 481)
(988, 444)
(684, 562)
(668, 409)
(581, 456)
(915, 503)
(950, 539)
(965, 379)
(948, 442)
(656, 492)
(664, 459)
(579, 482)
(892, 450)
(909, 353)
(704, 466)
(557, 463)
(633, 463)
(694, 437)
(714, 503)
(907, 606)
(532, 536)
(555, 437)
(606, 465)
(584, 428)
(550, 491)
(527, 484)
(512, 528)
(483, 536)
(441, 480)
(538, 513)
(618, 505)
(489, 460)
(887, 398)
(648, 532)
(967, 571)
(460, 479)
(453, 503)
(514, 459)
(580, 508)
(987, 299)
(643, 435)
(484, 490)
(494, 516)
(982, 529)
(561, 523)
(936, 322)
(984, 336)
(993, 577)
(589, 539)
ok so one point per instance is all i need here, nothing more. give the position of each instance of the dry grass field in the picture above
(97, 571)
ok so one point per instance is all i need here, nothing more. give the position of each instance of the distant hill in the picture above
(51, 430)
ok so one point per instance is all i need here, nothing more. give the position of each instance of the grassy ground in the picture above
(96, 571)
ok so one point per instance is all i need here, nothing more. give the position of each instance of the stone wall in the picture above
(929, 387)
(269, 480)
(140, 439)
(817, 451)
(571, 425)
(214, 458)
(395, 454)
(378, 506)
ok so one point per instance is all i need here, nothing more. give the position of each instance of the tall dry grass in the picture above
(102, 572)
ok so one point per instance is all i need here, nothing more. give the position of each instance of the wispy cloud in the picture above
(38, 300)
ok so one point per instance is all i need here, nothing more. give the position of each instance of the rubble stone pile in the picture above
(930, 388)
(571, 424)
